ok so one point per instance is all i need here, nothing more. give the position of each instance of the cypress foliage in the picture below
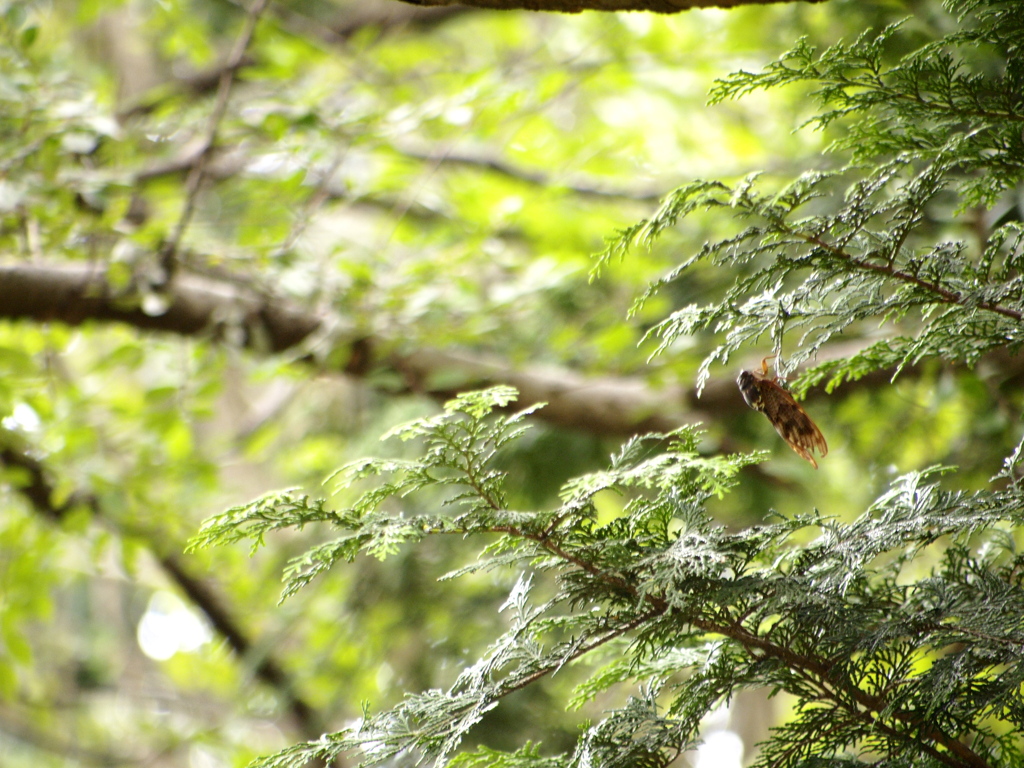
(899, 636)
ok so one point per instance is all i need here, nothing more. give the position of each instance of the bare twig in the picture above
(496, 164)
(225, 166)
(169, 251)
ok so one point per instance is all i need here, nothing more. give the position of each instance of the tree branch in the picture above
(943, 295)
(862, 705)
(226, 164)
(169, 251)
(873, 710)
(76, 293)
(495, 164)
(575, 6)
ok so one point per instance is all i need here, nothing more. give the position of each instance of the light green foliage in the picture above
(459, 448)
(604, 571)
(501, 595)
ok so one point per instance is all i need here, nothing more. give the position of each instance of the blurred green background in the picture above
(429, 186)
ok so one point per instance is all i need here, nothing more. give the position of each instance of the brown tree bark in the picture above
(78, 293)
(576, 6)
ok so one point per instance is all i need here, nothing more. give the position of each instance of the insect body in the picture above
(764, 393)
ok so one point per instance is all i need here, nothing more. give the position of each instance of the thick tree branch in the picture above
(383, 15)
(575, 6)
(605, 405)
(78, 293)
(75, 293)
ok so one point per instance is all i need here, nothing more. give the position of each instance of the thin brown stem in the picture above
(870, 707)
(581, 651)
(947, 296)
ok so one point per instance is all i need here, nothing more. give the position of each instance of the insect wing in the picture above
(791, 421)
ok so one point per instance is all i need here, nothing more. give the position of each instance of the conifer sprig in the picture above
(698, 611)
(897, 636)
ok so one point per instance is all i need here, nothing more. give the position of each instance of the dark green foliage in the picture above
(897, 636)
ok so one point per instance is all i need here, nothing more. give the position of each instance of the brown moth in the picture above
(764, 393)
